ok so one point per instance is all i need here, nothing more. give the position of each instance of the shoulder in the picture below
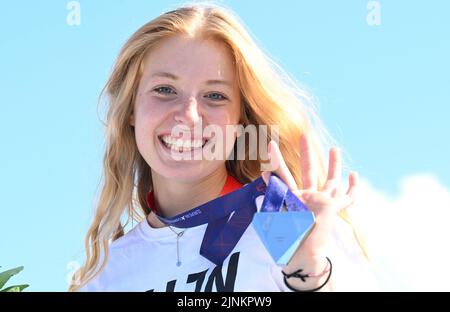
(129, 239)
(120, 254)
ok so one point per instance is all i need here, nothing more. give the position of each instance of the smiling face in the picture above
(189, 83)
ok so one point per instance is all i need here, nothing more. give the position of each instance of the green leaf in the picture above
(5, 276)
(15, 288)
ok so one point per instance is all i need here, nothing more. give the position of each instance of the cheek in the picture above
(144, 138)
(147, 115)
(226, 136)
(146, 121)
(235, 112)
(227, 116)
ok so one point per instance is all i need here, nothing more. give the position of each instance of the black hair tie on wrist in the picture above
(303, 277)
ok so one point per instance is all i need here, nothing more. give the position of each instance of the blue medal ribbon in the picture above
(229, 216)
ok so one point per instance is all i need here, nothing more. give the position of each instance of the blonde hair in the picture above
(268, 97)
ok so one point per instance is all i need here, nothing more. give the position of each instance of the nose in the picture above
(188, 114)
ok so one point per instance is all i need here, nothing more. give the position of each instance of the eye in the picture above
(164, 90)
(216, 96)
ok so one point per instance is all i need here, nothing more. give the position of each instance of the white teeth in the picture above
(182, 145)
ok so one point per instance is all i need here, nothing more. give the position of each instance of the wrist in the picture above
(310, 275)
(310, 263)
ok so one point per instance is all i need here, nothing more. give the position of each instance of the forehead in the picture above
(190, 58)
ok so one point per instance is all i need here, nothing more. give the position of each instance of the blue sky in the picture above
(384, 94)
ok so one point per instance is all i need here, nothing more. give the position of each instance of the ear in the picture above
(131, 121)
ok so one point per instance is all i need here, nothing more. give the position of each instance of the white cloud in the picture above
(408, 235)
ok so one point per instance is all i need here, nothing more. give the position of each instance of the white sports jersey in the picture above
(145, 259)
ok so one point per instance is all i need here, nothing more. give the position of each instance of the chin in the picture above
(183, 172)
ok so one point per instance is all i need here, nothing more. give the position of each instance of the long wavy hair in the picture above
(268, 97)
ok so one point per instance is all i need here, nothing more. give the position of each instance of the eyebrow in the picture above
(174, 77)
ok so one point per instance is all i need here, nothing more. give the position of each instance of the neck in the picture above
(173, 197)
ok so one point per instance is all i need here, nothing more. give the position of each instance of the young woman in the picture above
(196, 67)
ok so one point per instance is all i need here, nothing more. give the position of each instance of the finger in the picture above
(334, 164)
(334, 171)
(334, 192)
(318, 202)
(317, 199)
(344, 202)
(281, 169)
(308, 171)
(353, 184)
(303, 195)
